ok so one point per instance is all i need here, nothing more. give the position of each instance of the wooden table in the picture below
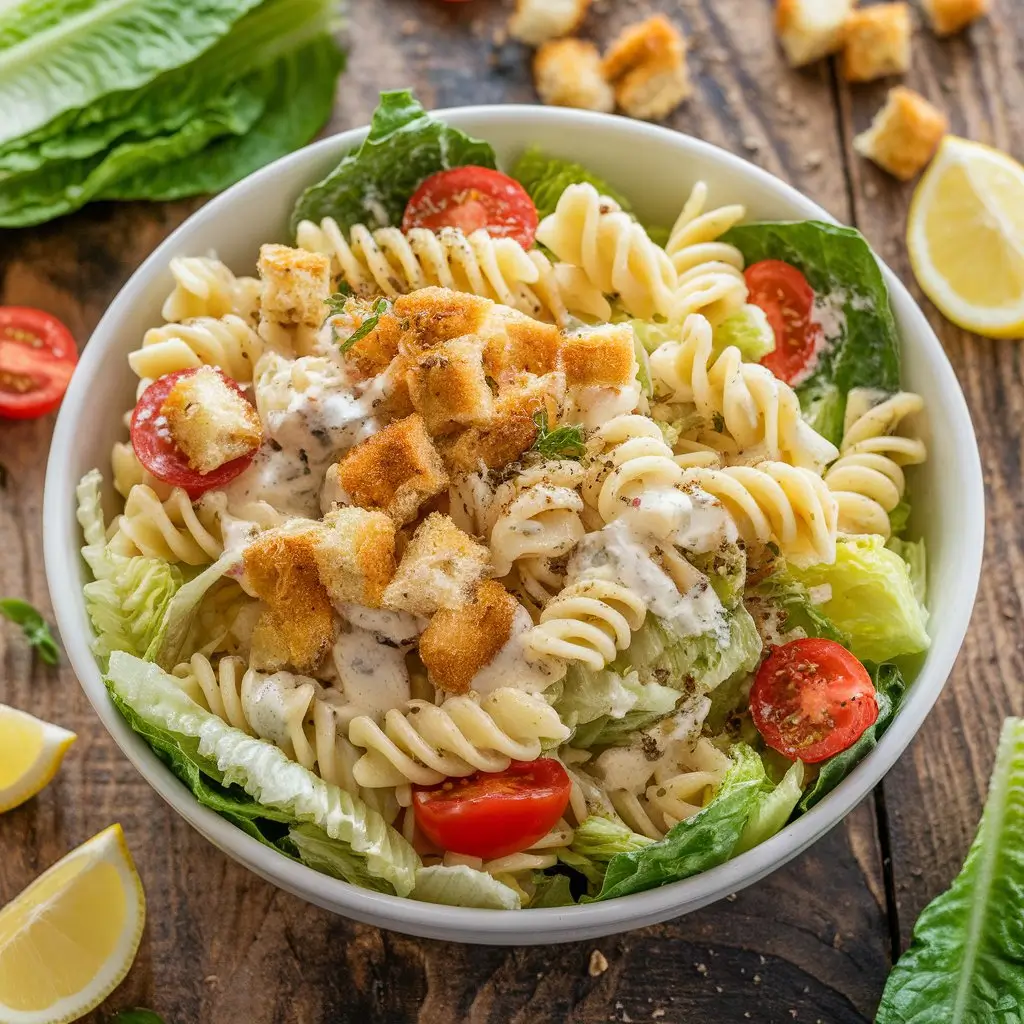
(812, 943)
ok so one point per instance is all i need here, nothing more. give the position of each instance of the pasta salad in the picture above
(493, 548)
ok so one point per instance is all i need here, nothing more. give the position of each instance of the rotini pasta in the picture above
(867, 479)
(742, 402)
(128, 471)
(228, 342)
(429, 743)
(773, 501)
(204, 286)
(171, 529)
(590, 231)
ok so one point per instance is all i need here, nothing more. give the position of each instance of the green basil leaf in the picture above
(33, 625)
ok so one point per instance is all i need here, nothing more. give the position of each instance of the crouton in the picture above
(538, 21)
(646, 64)
(210, 421)
(394, 471)
(811, 29)
(296, 285)
(459, 642)
(355, 555)
(439, 569)
(432, 316)
(904, 134)
(371, 354)
(448, 387)
(515, 341)
(567, 73)
(281, 569)
(513, 429)
(599, 356)
(877, 42)
(949, 16)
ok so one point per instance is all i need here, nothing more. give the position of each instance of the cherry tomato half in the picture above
(471, 198)
(812, 699)
(37, 358)
(787, 299)
(157, 451)
(493, 814)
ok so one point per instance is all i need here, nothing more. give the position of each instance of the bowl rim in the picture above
(541, 925)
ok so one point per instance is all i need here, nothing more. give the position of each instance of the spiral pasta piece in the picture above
(588, 622)
(228, 343)
(776, 502)
(744, 402)
(128, 471)
(204, 286)
(710, 272)
(465, 734)
(171, 529)
(867, 479)
(390, 262)
(591, 231)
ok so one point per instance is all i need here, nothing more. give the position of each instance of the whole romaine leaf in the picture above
(838, 263)
(707, 839)
(965, 964)
(463, 886)
(373, 184)
(889, 691)
(62, 55)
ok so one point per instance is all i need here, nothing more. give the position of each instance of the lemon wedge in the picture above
(30, 754)
(69, 939)
(965, 234)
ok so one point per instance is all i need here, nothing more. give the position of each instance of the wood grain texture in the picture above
(810, 943)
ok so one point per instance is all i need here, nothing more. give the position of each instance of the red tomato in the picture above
(471, 198)
(157, 451)
(787, 299)
(812, 699)
(491, 815)
(37, 358)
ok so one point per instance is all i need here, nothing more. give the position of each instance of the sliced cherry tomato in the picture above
(787, 299)
(471, 198)
(812, 699)
(37, 358)
(493, 814)
(157, 451)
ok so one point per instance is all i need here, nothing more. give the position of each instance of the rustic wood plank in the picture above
(934, 794)
(810, 943)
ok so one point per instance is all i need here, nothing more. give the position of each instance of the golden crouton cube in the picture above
(448, 386)
(281, 569)
(432, 316)
(904, 134)
(514, 341)
(538, 21)
(355, 555)
(394, 471)
(567, 73)
(877, 42)
(811, 29)
(210, 421)
(372, 353)
(296, 285)
(647, 66)
(459, 642)
(599, 356)
(949, 16)
(439, 569)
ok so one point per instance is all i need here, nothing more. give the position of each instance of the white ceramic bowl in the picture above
(656, 168)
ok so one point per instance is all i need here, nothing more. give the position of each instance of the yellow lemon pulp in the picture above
(30, 754)
(69, 939)
(966, 237)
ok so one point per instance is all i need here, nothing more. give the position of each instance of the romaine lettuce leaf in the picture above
(316, 849)
(373, 184)
(913, 553)
(545, 178)
(965, 964)
(841, 268)
(462, 886)
(772, 809)
(607, 693)
(873, 600)
(600, 839)
(284, 789)
(551, 891)
(792, 597)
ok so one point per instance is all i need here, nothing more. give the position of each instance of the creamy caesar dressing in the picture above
(709, 528)
(592, 407)
(372, 673)
(400, 629)
(511, 667)
(288, 480)
(276, 705)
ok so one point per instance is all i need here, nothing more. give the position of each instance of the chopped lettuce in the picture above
(726, 568)
(283, 790)
(600, 839)
(545, 178)
(651, 703)
(899, 517)
(373, 184)
(773, 809)
(965, 964)
(913, 553)
(873, 600)
(749, 331)
(802, 613)
(463, 886)
(551, 891)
